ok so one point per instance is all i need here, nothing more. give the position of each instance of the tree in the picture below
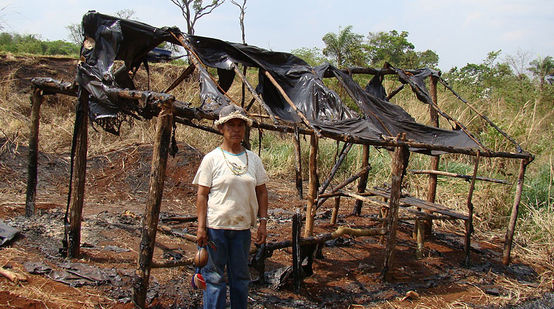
(125, 14)
(541, 67)
(389, 47)
(393, 47)
(345, 47)
(2, 22)
(193, 10)
(75, 33)
(312, 56)
(241, 17)
(518, 63)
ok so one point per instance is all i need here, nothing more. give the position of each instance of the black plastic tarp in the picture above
(130, 41)
(323, 108)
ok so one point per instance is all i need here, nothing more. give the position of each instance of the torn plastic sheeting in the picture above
(323, 108)
(115, 39)
(7, 233)
(74, 274)
(302, 83)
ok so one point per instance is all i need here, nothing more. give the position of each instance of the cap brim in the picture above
(233, 116)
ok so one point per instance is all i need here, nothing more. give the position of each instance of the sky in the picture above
(459, 31)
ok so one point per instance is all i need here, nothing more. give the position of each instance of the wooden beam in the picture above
(32, 166)
(469, 221)
(296, 252)
(427, 224)
(312, 187)
(399, 164)
(153, 203)
(362, 183)
(466, 177)
(513, 217)
(185, 111)
(298, 162)
(186, 73)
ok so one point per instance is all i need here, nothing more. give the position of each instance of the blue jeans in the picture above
(231, 250)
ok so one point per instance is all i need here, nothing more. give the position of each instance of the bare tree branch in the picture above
(241, 18)
(193, 10)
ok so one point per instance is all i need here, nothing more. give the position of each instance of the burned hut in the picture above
(294, 100)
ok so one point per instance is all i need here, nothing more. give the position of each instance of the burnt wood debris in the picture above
(296, 101)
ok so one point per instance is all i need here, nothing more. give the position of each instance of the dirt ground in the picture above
(346, 276)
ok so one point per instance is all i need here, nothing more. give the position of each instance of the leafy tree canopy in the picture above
(344, 47)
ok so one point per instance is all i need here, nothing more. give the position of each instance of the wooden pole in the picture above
(296, 251)
(79, 175)
(399, 164)
(434, 164)
(32, 167)
(298, 163)
(335, 213)
(469, 221)
(513, 217)
(420, 237)
(254, 94)
(334, 170)
(362, 183)
(312, 187)
(455, 175)
(152, 211)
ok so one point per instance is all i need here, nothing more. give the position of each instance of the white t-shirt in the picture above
(232, 202)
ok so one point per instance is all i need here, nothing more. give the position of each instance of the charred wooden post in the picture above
(399, 164)
(513, 217)
(434, 164)
(469, 221)
(298, 162)
(32, 167)
(312, 187)
(80, 140)
(152, 211)
(362, 183)
(296, 252)
(335, 213)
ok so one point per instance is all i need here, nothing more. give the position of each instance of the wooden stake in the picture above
(152, 211)
(32, 167)
(312, 187)
(296, 251)
(469, 221)
(362, 183)
(420, 237)
(335, 213)
(298, 163)
(399, 164)
(79, 175)
(434, 164)
(513, 217)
